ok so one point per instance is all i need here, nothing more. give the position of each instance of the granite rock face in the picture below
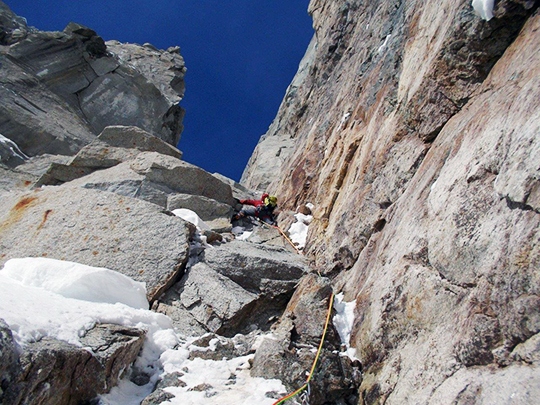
(415, 135)
(60, 89)
(55, 372)
(96, 228)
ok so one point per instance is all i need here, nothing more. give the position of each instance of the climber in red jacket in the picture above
(262, 209)
(255, 203)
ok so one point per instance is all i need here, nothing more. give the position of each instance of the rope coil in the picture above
(310, 376)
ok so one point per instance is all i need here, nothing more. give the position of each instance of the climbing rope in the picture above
(282, 234)
(287, 239)
(305, 400)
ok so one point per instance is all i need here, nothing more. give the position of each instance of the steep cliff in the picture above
(413, 127)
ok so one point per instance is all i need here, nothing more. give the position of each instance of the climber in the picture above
(262, 209)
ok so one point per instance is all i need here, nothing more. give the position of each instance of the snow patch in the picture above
(191, 216)
(214, 382)
(344, 321)
(383, 46)
(78, 281)
(63, 300)
(240, 233)
(483, 8)
(298, 230)
(36, 302)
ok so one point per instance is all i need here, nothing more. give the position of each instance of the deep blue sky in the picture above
(241, 55)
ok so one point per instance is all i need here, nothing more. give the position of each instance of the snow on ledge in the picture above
(76, 280)
(44, 297)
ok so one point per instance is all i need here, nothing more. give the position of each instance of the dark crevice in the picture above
(515, 205)
(379, 225)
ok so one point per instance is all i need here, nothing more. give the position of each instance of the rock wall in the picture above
(58, 90)
(413, 129)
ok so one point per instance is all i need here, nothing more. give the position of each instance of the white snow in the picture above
(298, 230)
(191, 216)
(483, 8)
(13, 147)
(344, 321)
(44, 297)
(217, 382)
(75, 280)
(36, 305)
(241, 234)
(383, 46)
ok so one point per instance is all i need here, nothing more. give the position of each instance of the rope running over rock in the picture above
(306, 385)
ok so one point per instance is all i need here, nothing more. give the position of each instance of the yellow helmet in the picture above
(270, 200)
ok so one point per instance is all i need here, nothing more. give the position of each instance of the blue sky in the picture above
(241, 55)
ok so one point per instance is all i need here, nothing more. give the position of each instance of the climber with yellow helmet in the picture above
(262, 209)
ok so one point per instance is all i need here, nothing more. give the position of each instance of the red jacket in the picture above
(256, 203)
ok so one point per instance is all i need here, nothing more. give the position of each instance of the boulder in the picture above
(239, 191)
(114, 145)
(235, 287)
(51, 371)
(153, 177)
(213, 300)
(98, 229)
(206, 208)
(215, 214)
(183, 320)
(264, 270)
(40, 164)
(122, 180)
(182, 177)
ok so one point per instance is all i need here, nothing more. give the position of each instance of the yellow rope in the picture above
(287, 238)
(282, 234)
(303, 387)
